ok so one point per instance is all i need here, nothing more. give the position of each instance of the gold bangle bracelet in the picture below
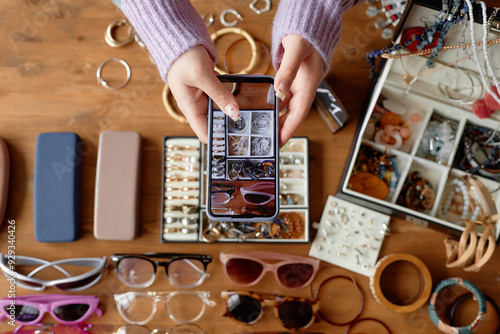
(108, 36)
(250, 40)
(171, 111)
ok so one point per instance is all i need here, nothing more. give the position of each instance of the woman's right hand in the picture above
(191, 78)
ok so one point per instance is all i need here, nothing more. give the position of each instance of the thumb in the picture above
(221, 96)
(294, 53)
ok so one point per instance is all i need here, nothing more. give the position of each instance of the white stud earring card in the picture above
(349, 236)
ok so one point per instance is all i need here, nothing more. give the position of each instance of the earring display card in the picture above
(349, 236)
(420, 139)
(184, 218)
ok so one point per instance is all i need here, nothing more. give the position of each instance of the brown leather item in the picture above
(117, 186)
(4, 177)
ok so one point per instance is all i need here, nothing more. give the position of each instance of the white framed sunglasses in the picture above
(68, 283)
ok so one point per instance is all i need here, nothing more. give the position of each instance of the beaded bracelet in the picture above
(467, 285)
(458, 186)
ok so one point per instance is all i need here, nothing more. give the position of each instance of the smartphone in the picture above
(242, 156)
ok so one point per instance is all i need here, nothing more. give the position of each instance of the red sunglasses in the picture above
(291, 272)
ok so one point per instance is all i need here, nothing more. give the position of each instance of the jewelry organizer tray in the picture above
(184, 191)
(421, 139)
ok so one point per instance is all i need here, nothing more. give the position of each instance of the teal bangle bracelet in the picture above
(446, 328)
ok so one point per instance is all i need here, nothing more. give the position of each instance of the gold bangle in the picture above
(171, 111)
(108, 36)
(250, 40)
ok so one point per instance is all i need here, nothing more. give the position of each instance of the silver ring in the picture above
(103, 82)
(232, 23)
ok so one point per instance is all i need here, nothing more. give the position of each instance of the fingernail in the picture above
(284, 111)
(280, 93)
(233, 112)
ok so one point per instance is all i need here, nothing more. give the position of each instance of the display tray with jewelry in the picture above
(428, 148)
(184, 181)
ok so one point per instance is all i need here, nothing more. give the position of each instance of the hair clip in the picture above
(184, 220)
(185, 208)
(172, 197)
(168, 189)
(182, 230)
(181, 148)
(188, 168)
(184, 158)
(180, 178)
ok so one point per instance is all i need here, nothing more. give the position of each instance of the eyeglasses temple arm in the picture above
(193, 266)
(272, 256)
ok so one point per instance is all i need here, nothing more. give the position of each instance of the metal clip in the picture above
(232, 23)
(263, 10)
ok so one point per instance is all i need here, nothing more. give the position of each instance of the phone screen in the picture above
(242, 165)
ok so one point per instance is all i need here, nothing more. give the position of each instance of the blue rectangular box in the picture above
(56, 187)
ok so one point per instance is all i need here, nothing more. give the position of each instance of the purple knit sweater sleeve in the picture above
(168, 29)
(318, 21)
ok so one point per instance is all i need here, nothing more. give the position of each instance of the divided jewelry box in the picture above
(184, 190)
(420, 153)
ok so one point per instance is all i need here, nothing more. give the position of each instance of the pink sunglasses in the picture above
(292, 271)
(67, 309)
(251, 195)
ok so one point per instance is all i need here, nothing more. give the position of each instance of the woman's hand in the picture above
(192, 76)
(297, 79)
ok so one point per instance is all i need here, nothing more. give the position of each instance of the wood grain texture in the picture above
(50, 52)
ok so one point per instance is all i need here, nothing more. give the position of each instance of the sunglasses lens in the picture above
(243, 271)
(253, 198)
(295, 314)
(71, 312)
(78, 284)
(295, 275)
(23, 313)
(28, 284)
(244, 308)
(136, 272)
(220, 197)
(186, 272)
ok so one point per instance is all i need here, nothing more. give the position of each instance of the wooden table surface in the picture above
(50, 52)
